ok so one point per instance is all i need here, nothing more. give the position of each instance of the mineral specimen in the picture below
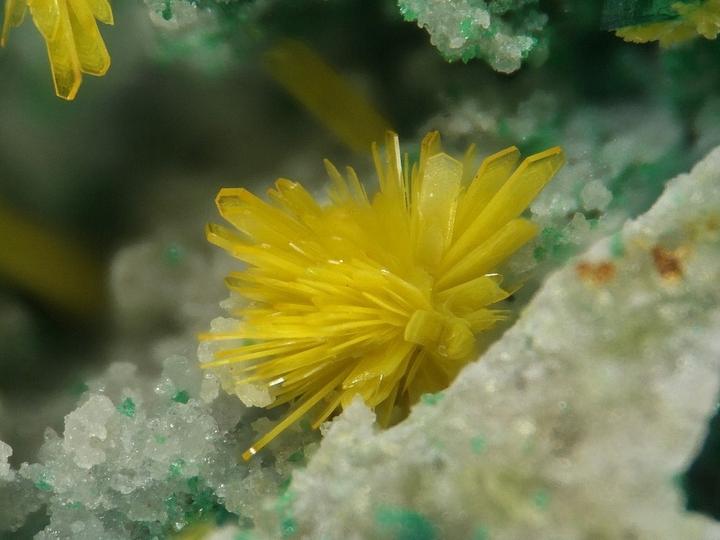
(381, 296)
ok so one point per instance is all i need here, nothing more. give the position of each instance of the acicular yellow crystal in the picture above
(694, 19)
(378, 296)
(70, 30)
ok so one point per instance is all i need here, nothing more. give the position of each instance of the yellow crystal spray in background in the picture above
(325, 94)
(694, 19)
(50, 266)
(378, 296)
(74, 43)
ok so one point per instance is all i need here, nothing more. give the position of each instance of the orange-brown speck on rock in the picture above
(596, 273)
(667, 263)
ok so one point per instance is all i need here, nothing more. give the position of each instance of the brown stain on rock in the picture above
(596, 273)
(667, 263)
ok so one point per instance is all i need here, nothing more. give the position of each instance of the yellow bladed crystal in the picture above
(70, 31)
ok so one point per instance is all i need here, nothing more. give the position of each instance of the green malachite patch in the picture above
(406, 524)
(127, 408)
(541, 499)
(174, 254)
(432, 399)
(42, 485)
(478, 444)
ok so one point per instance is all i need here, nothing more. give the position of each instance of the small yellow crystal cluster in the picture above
(694, 19)
(74, 43)
(381, 296)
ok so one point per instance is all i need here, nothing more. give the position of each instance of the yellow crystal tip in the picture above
(380, 296)
(70, 31)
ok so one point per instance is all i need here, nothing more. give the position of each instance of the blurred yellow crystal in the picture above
(48, 265)
(694, 19)
(73, 40)
(379, 297)
(326, 94)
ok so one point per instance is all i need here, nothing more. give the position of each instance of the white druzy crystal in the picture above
(595, 196)
(86, 429)
(6, 473)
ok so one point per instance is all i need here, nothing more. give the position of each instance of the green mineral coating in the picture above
(297, 456)
(553, 244)
(42, 485)
(203, 502)
(160, 439)
(167, 11)
(690, 71)
(407, 13)
(223, 516)
(285, 484)
(289, 527)
(193, 484)
(432, 399)
(467, 55)
(466, 27)
(127, 408)
(617, 246)
(481, 533)
(503, 129)
(539, 253)
(541, 499)
(79, 388)
(638, 186)
(478, 444)
(181, 397)
(175, 469)
(286, 499)
(406, 524)
(175, 506)
(174, 254)
(620, 13)
(171, 504)
(200, 504)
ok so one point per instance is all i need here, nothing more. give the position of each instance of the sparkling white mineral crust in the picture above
(501, 33)
(6, 473)
(86, 430)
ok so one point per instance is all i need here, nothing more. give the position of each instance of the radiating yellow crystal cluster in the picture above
(378, 296)
(74, 43)
(694, 19)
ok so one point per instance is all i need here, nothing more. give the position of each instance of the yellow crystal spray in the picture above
(377, 296)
